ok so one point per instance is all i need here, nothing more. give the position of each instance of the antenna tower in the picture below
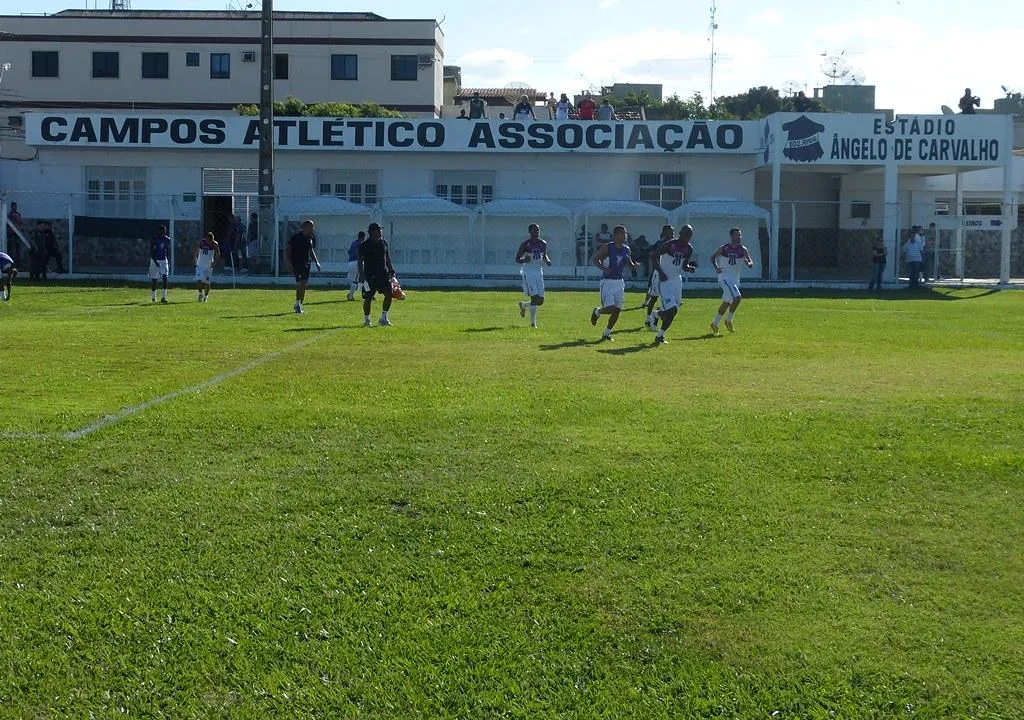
(713, 27)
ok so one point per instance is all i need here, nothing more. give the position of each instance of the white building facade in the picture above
(455, 196)
(209, 61)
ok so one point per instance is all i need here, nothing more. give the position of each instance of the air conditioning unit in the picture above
(248, 56)
(424, 60)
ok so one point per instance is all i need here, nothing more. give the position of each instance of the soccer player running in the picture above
(612, 258)
(206, 254)
(671, 260)
(729, 276)
(667, 233)
(301, 247)
(353, 265)
(532, 256)
(7, 274)
(159, 263)
(375, 273)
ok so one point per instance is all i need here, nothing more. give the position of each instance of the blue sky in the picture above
(919, 54)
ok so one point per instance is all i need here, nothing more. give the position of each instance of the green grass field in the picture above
(294, 516)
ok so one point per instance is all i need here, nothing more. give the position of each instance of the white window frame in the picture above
(659, 188)
(471, 188)
(116, 191)
(361, 187)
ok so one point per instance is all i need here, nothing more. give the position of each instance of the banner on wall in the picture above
(391, 135)
(869, 139)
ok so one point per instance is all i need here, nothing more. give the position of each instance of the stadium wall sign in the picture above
(366, 134)
(867, 139)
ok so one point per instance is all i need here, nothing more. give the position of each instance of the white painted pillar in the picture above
(773, 234)
(1008, 210)
(959, 244)
(891, 218)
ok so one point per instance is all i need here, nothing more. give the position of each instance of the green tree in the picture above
(293, 107)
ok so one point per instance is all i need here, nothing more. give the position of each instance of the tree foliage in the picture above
(293, 107)
(755, 103)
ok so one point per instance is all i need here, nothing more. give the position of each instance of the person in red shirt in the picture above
(587, 108)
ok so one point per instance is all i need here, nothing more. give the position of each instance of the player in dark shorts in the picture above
(375, 273)
(7, 273)
(301, 249)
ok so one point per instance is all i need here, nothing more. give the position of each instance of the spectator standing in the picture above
(462, 115)
(562, 108)
(37, 254)
(14, 218)
(588, 108)
(968, 102)
(241, 246)
(931, 254)
(606, 112)
(582, 241)
(523, 111)
(878, 257)
(253, 239)
(52, 247)
(353, 265)
(913, 252)
(477, 107)
(801, 103)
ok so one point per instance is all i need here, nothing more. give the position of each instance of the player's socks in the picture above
(718, 319)
(366, 321)
(660, 338)
(152, 295)
(606, 335)
(522, 309)
(533, 315)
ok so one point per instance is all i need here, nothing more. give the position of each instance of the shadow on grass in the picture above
(483, 329)
(324, 328)
(326, 302)
(264, 315)
(628, 350)
(705, 336)
(578, 342)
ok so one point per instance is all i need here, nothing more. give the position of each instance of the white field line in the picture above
(108, 420)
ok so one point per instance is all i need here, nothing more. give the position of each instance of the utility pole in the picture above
(268, 220)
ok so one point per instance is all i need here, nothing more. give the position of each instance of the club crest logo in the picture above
(803, 140)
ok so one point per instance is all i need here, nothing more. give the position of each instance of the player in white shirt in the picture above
(206, 254)
(671, 259)
(532, 256)
(728, 260)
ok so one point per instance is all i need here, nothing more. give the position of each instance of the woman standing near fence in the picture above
(878, 254)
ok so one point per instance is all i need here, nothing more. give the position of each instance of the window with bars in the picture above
(666, 190)
(220, 66)
(116, 191)
(45, 63)
(155, 65)
(106, 64)
(360, 187)
(464, 187)
(344, 67)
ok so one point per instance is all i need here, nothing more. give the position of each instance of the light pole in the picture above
(268, 220)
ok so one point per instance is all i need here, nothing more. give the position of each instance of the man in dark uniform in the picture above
(301, 248)
(375, 273)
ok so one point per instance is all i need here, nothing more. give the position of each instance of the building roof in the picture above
(506, 92)
(216, 15)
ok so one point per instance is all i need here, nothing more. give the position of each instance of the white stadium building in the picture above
(110, 128)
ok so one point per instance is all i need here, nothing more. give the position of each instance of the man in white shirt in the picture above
(913, 251)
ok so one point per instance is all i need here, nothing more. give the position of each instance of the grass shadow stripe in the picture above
(108, 420)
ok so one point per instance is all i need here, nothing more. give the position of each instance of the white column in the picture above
(891, 218)
(773, 234)
(959, 244)
(1008, 216)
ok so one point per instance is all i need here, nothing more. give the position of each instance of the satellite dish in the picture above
(947, 110)
(518, 86)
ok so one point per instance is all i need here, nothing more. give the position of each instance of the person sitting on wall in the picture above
(801, 103)
(968, 102)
